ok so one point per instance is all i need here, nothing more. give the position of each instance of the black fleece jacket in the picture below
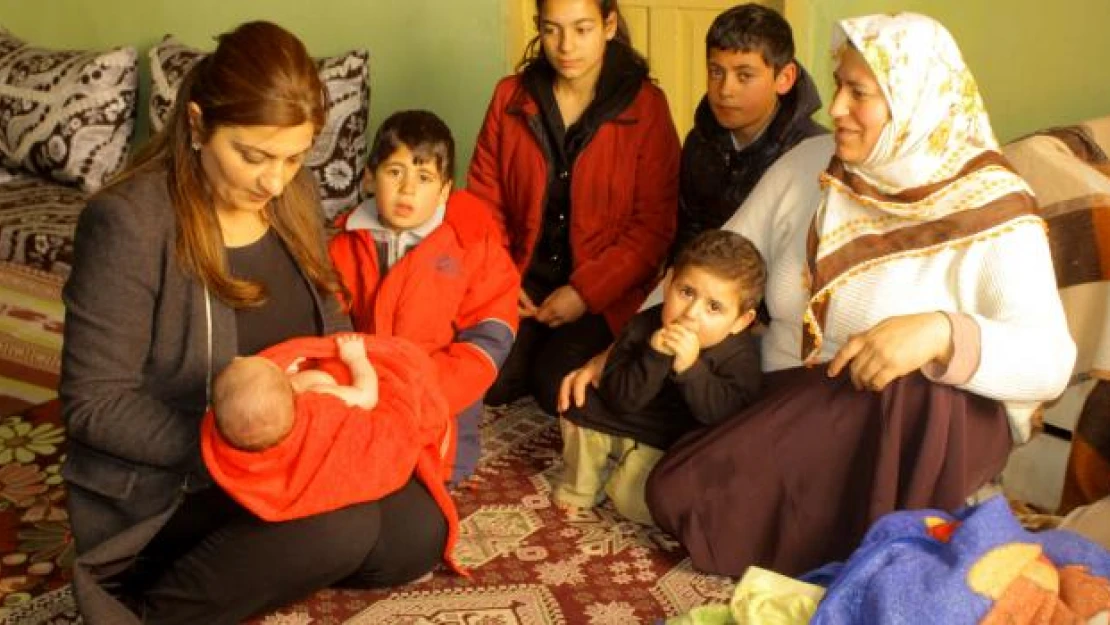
(715, 178)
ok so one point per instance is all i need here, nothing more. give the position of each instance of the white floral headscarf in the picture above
(935, 159)
(938, 121)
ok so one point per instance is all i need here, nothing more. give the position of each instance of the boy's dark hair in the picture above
(753, 28)
(423, 133)
(728, 256)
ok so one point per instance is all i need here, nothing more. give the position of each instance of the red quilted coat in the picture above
(624, 194)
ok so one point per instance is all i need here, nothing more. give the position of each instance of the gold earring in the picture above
(195, 145)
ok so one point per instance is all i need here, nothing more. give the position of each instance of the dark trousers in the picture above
(216, 563)
(541, 356)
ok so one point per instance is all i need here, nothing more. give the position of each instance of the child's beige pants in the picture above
(597, 464)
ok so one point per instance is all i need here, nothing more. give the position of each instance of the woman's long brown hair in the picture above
(259, 75)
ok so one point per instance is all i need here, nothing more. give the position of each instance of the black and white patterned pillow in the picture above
(339, 153)
(170, 60)
(66, 115)
(38, 219)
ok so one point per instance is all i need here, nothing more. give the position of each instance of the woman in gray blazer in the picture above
(209, 246)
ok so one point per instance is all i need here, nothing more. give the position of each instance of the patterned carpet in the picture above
(533, 564)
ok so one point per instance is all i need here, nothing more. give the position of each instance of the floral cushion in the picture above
(66, 115)
(38, 546)
(339, 154)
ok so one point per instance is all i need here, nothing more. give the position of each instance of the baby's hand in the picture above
(350, 346)
(295, 366)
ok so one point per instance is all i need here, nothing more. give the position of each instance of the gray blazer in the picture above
(142, 340)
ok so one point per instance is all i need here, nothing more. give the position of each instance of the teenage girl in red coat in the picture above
(579, 156)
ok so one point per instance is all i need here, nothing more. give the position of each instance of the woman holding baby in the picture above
(209, 246)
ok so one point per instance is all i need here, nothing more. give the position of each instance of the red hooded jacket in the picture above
(454, 295)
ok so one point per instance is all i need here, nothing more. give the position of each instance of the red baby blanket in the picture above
(338, 455)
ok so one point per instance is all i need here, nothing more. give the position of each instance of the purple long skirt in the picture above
(795, 480)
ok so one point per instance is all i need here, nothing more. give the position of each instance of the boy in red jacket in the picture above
(425, 264)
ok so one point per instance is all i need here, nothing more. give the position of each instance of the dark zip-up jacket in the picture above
(716, 178)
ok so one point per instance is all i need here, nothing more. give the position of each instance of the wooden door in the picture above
(671, 33)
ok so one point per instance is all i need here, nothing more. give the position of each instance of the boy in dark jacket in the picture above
(757, 106)
(689, 362)
(428, 265)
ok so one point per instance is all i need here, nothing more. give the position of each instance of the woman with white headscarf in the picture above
(915, 320)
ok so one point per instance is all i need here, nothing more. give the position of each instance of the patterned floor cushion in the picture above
(34, 527)
(37, 222)
(31, 320)
(66, 115)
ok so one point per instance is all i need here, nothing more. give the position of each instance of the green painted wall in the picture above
(442, 55)
(1038, 63)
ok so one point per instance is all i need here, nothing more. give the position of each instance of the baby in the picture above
(253, 397)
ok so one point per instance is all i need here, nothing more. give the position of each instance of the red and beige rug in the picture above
(30, 336)
(533, 564)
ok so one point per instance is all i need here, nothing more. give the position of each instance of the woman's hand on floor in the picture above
(892, 348)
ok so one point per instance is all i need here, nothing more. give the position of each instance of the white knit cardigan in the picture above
(1006, 285)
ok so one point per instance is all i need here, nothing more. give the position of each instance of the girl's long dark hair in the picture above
(533, 52)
